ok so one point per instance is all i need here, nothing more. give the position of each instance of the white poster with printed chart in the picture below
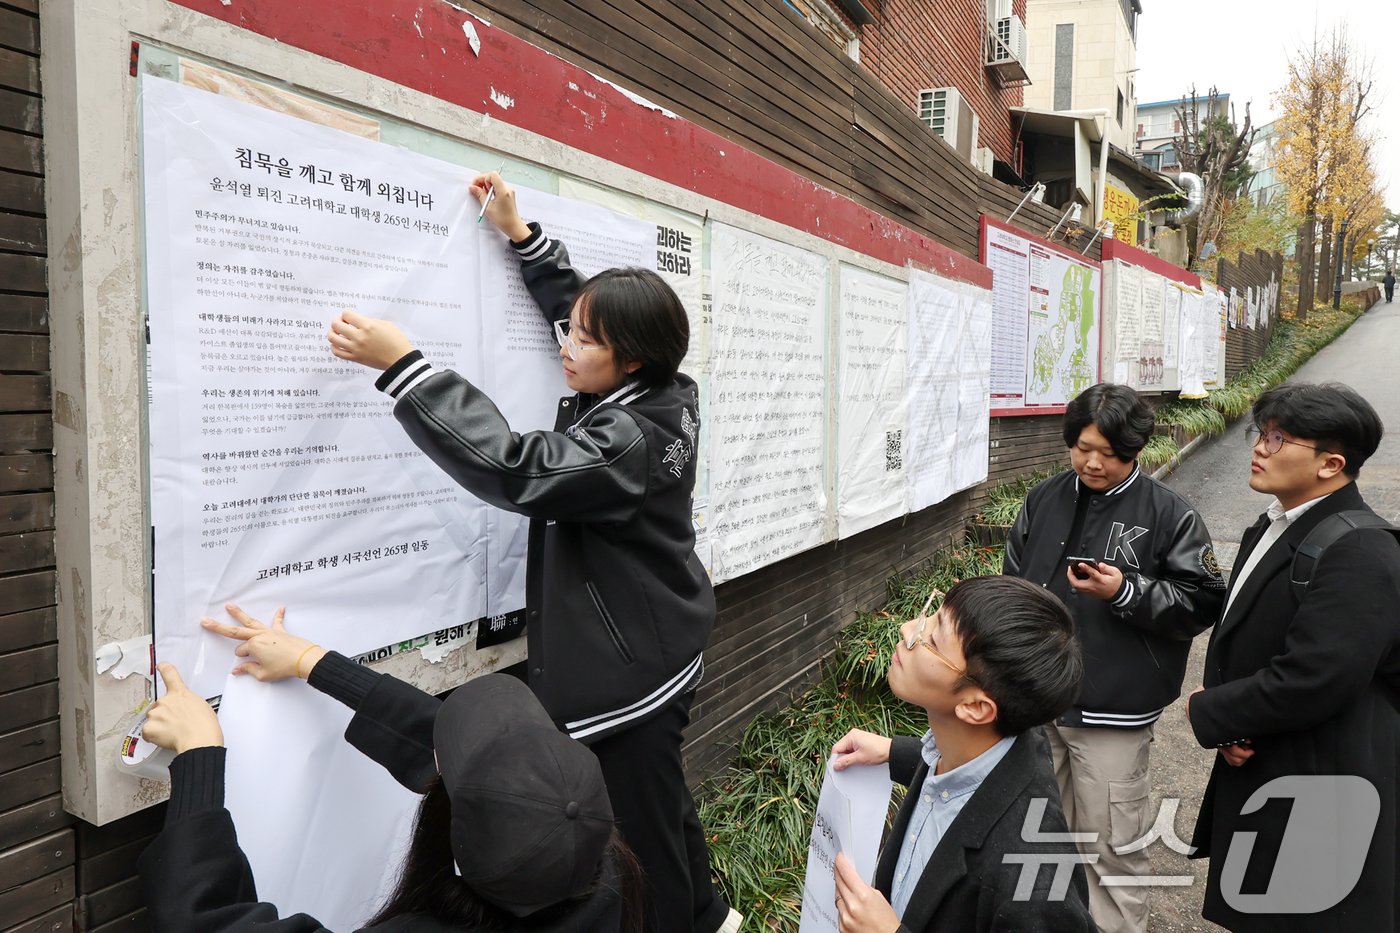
(767, 407)
(278, 473)
(874, 408)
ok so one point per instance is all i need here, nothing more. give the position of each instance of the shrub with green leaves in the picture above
(1004, 502)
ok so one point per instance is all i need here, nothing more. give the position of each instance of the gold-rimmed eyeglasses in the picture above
(916, 634)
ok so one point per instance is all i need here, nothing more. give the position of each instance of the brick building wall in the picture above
(918, 44)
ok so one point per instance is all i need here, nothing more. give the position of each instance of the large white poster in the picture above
(935, 333)
(768, 402)
(873, 405)
(1045, 325)
(523, 360)
(1151, 374)
(971, 462)
(278, 473)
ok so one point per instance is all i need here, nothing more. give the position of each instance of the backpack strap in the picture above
(1322, 536)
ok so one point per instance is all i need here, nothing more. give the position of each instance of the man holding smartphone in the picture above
(1134, 563)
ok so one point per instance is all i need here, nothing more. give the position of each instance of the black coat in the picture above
(1313, 685)
(968, 884)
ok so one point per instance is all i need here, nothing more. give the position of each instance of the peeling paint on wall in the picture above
(503, 101)
(472, 38)
(637, 99)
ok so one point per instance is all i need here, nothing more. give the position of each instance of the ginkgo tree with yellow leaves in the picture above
(1325, 155)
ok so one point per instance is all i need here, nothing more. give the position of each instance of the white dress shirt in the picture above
(1279, 520)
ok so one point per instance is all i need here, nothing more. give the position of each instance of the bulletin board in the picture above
(1045, 321)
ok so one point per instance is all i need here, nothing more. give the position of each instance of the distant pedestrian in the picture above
(1389, 282)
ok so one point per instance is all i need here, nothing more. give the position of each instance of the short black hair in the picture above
(1333, 416)
(636, 313)
(1019, 643)
(1121, 415)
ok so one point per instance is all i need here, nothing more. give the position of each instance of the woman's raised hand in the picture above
(501, 211)
(368, 341)
(181, 719)
(270, 653)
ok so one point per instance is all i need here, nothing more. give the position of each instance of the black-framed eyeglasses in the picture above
(1273, 440)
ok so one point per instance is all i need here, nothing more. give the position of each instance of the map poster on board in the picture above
(1045, 321)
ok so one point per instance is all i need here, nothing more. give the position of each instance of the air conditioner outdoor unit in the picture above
(947, 114)
(1009, 42)
(983, 159)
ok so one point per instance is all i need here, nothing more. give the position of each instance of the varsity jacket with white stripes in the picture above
(618, 606)
(1136, 644)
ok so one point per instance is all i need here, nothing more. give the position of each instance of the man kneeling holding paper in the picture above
(980, 842)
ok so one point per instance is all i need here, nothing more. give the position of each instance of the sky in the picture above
(1242, 47)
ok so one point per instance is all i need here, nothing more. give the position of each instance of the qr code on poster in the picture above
(894, 443)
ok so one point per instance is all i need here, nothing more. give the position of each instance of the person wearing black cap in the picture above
(515, 832)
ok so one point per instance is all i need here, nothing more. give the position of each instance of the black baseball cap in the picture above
(531, 818)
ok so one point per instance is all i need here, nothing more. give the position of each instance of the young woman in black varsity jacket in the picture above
(618, 605)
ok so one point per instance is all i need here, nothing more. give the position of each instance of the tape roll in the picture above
(141, 758)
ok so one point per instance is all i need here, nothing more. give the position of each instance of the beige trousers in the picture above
(1106, 788)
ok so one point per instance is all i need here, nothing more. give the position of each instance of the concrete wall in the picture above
(1105, 54)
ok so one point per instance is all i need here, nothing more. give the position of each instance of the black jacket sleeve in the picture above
(1343, 638)
(193, 875)
(596, 473)
(552, 280)
(1186, 595)
(1016, 541)
(393, 722)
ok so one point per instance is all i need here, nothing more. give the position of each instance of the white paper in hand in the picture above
(850, 818)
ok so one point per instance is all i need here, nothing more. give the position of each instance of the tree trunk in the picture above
(1306, 232)
(1324, 264)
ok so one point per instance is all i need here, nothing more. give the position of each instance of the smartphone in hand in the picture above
(1073, 563)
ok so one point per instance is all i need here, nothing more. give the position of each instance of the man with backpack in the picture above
(1302, 685)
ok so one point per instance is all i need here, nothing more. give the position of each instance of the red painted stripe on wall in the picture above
(421, 44)
(1117, 249)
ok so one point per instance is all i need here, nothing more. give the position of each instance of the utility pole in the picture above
(1337, 261)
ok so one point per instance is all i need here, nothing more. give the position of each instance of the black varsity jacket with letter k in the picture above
(1136, 644)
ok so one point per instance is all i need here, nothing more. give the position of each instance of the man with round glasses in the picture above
(1302, 685)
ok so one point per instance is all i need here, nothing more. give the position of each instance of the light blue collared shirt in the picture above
(941, 799)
